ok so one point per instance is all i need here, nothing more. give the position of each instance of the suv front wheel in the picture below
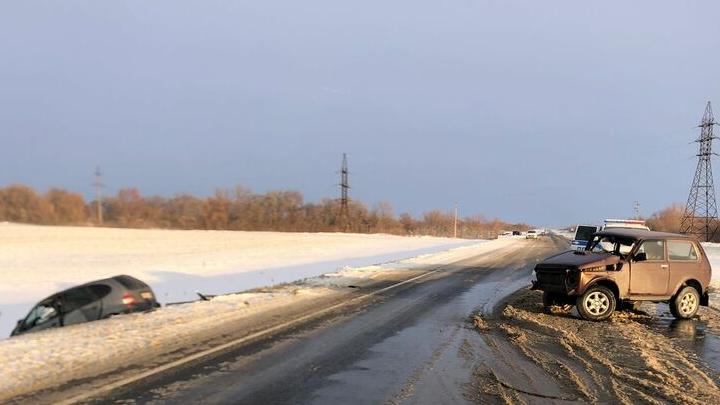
(685, 304)
(596, 304)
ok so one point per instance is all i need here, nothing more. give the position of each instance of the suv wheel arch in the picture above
(691, 283)
(607, 283)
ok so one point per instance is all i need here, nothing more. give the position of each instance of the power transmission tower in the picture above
(636, 207)
(700, 217)
(344, 187)
(98, 194)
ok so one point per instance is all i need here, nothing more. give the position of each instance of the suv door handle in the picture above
(663, 266)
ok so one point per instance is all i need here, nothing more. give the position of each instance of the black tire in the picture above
(685, 304)
(596, 304)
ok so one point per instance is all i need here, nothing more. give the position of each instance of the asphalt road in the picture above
(405, 345)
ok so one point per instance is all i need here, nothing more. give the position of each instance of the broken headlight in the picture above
(571, 276)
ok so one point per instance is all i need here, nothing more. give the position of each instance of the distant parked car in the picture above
(89, 302)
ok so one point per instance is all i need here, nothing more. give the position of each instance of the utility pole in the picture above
(98, 194)
(700, 216)
(456, 221)
(344, 187)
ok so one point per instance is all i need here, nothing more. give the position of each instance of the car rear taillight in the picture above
(128, 299)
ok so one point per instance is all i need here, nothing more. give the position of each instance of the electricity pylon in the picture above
(700, 216)
(344, 219)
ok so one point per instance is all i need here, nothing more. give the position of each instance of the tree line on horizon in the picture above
(234, 209)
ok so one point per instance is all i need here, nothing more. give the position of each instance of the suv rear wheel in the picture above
(596, 304)
(685, 304)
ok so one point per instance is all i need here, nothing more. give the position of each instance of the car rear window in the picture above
(681, 250)
(130, 282)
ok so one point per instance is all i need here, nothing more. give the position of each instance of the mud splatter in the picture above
(534, 357)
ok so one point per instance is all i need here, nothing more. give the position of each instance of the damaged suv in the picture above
(621, 267)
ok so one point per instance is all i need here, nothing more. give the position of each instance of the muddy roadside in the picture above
(528, 356)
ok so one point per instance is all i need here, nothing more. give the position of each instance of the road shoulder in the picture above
(530, 356)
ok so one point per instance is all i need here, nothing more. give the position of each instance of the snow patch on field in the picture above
(52, 357)
(713, 253)
(36, 261)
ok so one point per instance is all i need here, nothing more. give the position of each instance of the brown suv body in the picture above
(656, 267)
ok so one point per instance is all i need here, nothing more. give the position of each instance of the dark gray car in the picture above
(89, 302)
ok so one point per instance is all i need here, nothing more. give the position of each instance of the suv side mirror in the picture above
(640, 257)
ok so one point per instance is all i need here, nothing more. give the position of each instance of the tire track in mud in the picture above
(535, 357)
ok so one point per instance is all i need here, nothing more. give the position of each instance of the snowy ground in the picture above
(713, 253)
(51, 357)
(36, 261)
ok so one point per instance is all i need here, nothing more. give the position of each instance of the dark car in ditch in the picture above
(622, 267)
(89, 302)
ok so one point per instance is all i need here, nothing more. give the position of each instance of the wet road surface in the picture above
(696, 335)
(405, 345)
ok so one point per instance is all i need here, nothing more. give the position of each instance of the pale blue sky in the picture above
(549, 112)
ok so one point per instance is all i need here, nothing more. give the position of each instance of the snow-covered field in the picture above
(51, 357)
(36, 261)
(713, 253)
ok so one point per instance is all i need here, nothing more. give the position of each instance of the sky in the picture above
(550, 113)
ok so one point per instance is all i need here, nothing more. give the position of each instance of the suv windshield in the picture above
(610, 244)
(42, 313)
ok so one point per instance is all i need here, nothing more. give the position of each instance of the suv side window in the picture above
(654, 250)
(682, 250)
(99, 290)
(77, 298)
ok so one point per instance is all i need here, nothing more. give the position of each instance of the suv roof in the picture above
(639, 234)
(122, 279)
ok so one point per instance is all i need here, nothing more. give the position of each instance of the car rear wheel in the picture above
(596, 304)
(685, 304)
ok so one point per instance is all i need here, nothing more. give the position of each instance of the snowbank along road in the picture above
(461, 332)
(36, 261)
